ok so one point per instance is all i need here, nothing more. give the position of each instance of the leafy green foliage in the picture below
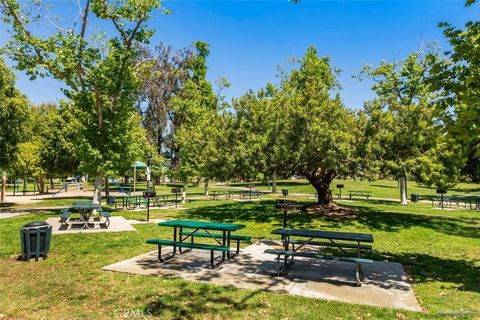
(101, 74)
(459, 81)
(13, 116)
(403, 135)
(199, 140)
(298, 128)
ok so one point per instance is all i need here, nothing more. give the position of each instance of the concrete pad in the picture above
(117, 224)
(384, 285)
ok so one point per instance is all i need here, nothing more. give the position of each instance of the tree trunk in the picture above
(107, 189)
(41, 185)
(197, 183)
(206, 186)
(4, 182)
(322, 186)
(403, 191)
(274, 182)
(97, 191)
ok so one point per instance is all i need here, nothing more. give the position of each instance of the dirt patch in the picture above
(331, 210)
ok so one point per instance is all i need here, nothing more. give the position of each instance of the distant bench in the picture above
(132, 202)
(471, 201)
(248, 194)
(365, 194)
(215, 195)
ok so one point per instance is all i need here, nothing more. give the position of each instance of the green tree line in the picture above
(125, 102)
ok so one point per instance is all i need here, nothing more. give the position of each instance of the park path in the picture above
(16, 212)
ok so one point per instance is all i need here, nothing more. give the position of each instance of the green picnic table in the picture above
(201, 229)
(85, 208)
(316, 238)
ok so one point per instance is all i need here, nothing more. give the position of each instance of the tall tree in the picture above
(100, 72)
(260, 147)
(163, 80)
(404, 136)
(198, 106)
(458, 78)
(57, 129)
(306, 119)
(13, 116)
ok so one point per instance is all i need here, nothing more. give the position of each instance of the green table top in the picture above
(202, 225)
(86, 205)
(360, 237)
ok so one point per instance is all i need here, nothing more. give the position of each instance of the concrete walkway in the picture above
(384, 285)
(15, 212)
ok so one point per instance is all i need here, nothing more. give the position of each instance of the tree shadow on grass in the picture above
(396, 221)
(425, 268)
(262, 211)
(188, 301)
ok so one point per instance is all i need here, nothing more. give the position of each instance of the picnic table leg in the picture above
(174, 239)
(287, 241)
(228, 244)
(180, 236)
(160, 253)
(357, 274)
(223, 244)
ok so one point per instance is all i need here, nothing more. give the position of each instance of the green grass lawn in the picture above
(440, 249)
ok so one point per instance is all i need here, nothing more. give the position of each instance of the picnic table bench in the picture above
(126, 202)
(85, 209)
(471, 201)
(357, 193)
(139, 201)
(339, 240)
(199, 229)
(215, 195)
(250, 194)
(164, 199)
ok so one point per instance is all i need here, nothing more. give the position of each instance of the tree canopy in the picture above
(13, 116)
(101, 73)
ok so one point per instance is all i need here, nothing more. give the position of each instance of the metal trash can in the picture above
(35, 238)
(414, 197)
(285, 192)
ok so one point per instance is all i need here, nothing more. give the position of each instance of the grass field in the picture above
(440, 249)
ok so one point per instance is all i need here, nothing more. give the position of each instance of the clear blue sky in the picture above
(250, 38)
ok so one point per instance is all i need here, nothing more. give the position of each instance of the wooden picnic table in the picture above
(339, 240)
(200, 229)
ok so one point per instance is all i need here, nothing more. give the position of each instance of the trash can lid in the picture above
(36, 224)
